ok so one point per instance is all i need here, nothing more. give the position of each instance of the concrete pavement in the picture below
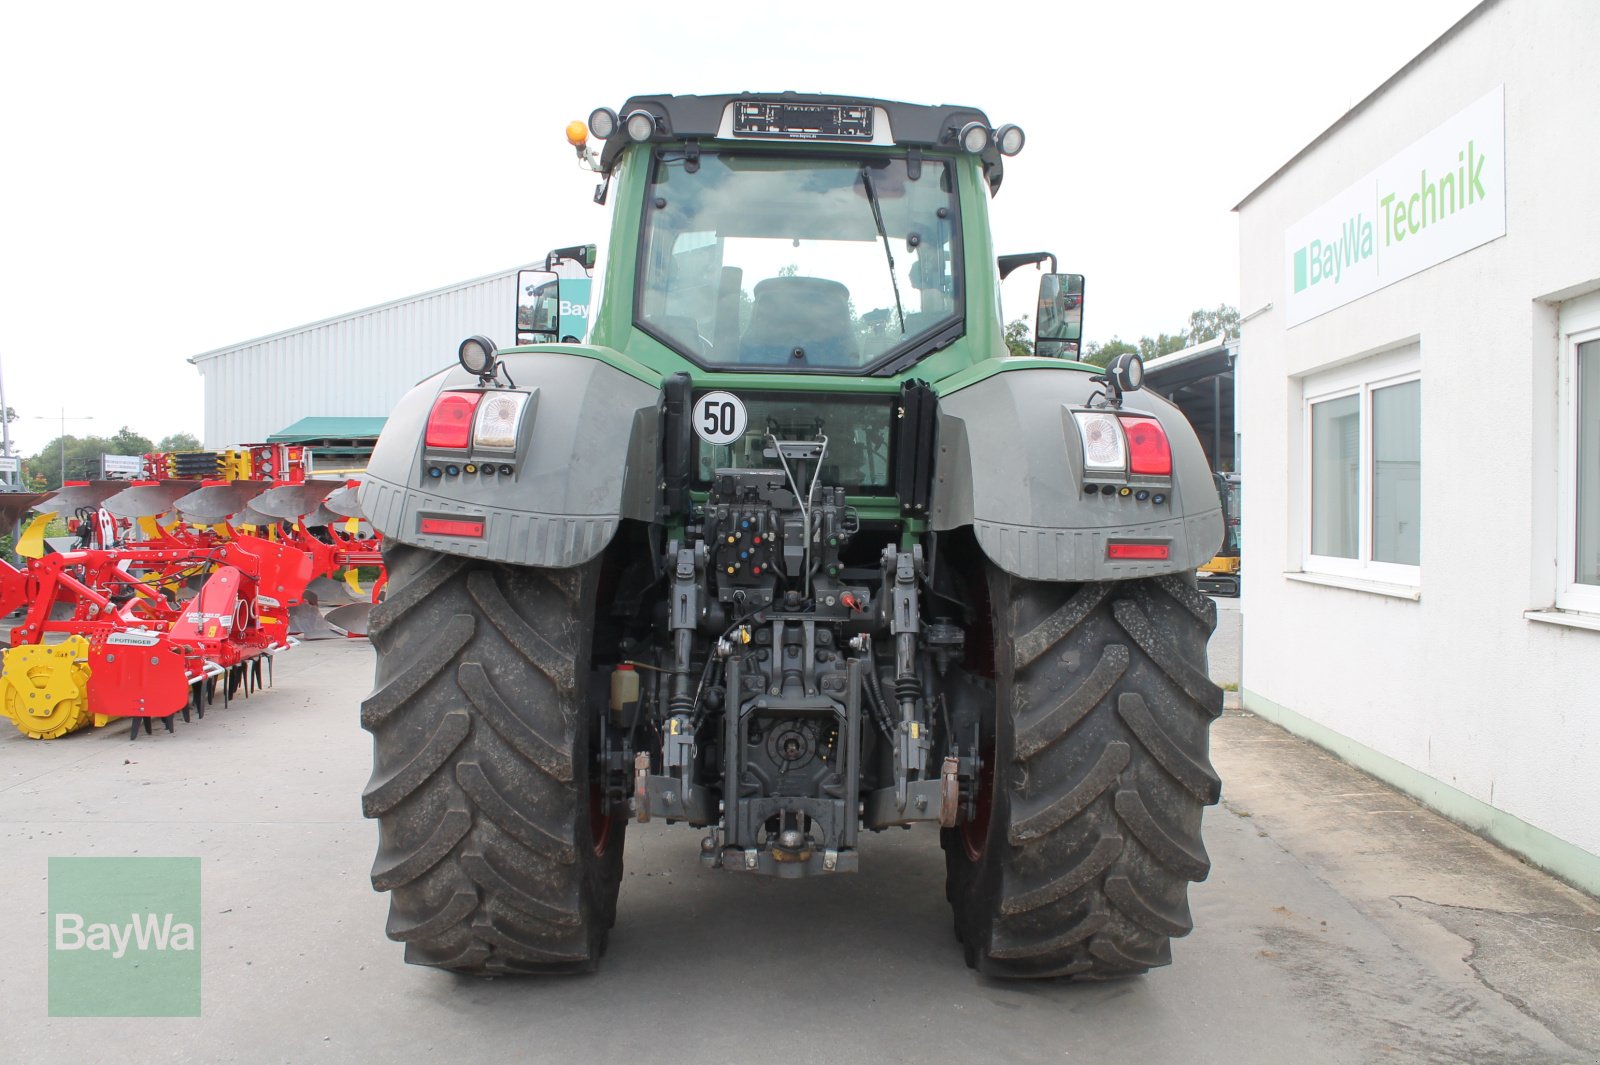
(1342, 923)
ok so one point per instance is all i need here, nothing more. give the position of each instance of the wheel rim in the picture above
(599, 823)
(975, 830)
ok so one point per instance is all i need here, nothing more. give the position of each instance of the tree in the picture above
(1165, 344)
(128, 442)
(178, 442)
(1102, 354)
(1018, 337)
(1221, 321)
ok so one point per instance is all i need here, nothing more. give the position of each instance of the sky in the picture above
(176, 178)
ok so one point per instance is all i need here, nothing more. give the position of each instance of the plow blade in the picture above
(214, 503)
(307, 622)
(147, 499)
(353, 619)
(251, 516)
(292, 501)
(83, 496)
(329, 592)
(13, 505)
(343, 502)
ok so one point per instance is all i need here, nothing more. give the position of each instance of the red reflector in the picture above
(451, 527)
(450, 420)
(1148, 450)
(74, 484)
(1137, 552)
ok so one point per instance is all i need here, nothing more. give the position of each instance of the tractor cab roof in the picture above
(802, 118)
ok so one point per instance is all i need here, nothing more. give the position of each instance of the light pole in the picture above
(62, 441)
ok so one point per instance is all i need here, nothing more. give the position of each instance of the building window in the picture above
(1578, 578)
(1365, 476)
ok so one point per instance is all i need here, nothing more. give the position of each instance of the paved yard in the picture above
(1341, 923)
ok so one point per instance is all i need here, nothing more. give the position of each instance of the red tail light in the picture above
(1148, 450)
(450, 420)
(1137, 552)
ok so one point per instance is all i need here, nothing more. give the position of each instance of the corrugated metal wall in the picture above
(357, 365)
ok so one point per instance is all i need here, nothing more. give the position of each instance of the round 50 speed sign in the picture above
(719, 417)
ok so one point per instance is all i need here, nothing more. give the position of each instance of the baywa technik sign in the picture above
(1442, 196)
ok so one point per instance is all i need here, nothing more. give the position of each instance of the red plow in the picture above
(170, 592)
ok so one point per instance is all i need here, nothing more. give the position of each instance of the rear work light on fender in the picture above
(450, 420)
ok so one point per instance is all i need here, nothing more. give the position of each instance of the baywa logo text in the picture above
(124, 937)
(143, 931)
(1397, 215)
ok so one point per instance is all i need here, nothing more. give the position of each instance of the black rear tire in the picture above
(1097, 772)
(489, 839)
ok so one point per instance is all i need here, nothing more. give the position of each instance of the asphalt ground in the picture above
(1341, 923)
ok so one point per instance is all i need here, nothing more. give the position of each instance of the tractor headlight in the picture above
(498, 419)
(1009, 139)
(602, 122)
(477, 355)
(1104, 448)
(974, 137)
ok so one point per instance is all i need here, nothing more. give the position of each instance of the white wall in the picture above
(1457, 684)
(357, 365)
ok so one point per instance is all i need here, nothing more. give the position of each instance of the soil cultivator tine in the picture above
(167, 721)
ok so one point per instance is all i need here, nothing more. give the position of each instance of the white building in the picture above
(356, 365)
(1420, 406)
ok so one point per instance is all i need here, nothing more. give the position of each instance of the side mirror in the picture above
(1059, 328)
(538, 307)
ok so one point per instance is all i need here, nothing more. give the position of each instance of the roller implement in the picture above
(791, 550)
(172, 591)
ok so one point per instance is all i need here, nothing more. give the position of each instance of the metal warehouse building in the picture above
(1421, 408)
(355, 365)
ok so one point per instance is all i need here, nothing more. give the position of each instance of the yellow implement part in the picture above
(31, 543)
(149, 527)
(46, 688)
(1221, 564)
(352, 526)
(352, 579)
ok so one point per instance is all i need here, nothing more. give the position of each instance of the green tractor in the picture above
(792, 549)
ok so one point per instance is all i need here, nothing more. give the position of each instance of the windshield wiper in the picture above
(888, 252)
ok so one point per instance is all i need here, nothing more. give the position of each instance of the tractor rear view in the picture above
(791, 550)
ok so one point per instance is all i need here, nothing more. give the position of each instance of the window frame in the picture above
(1579, 326)
(1362, 380)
